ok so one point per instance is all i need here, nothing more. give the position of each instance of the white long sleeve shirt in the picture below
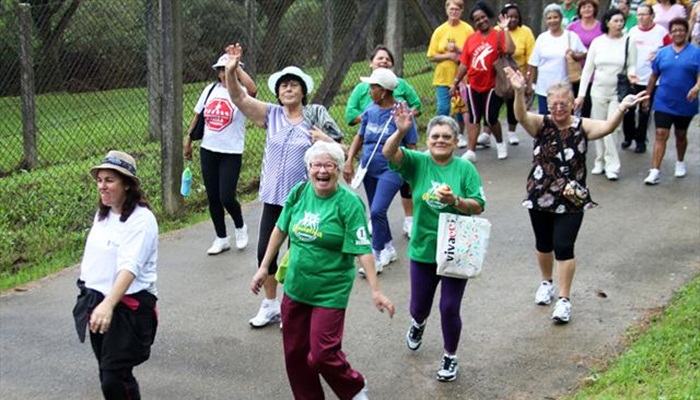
(606, 58)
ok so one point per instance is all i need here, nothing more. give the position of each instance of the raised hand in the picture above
(632, 100)
(402, 116)
(235, 52)
(517, 80)
(503, 21)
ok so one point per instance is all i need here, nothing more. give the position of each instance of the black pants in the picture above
(636, 121)
(556, 232)
(510, 111)
(587, 103)
(220, 172)
(270, 214)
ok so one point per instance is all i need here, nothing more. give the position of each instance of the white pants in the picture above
(606, 157)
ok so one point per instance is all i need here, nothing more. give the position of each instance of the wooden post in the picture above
(393, 36)
(155, 70)
(24, 20)
(171, 143)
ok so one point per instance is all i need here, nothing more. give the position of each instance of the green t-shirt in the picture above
(569, 15)
(425, 177)
(630, 22)
(360, 98)
(326, 234)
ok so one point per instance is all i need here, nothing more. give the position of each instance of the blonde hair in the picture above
(458, 3)
(560, 88)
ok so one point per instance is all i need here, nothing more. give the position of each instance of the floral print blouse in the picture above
(547, 178)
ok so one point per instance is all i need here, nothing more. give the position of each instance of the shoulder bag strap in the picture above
(381, 135)
(624, 67)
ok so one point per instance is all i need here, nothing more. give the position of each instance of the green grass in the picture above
(663, 361)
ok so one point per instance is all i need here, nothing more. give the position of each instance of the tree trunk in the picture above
(31, 159)
(155, 71)
(393, 36)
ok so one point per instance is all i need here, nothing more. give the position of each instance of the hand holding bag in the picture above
(461, 245)
(197, 133)
(624, 86)
(573, 67)
(503, 87)
(362, 170)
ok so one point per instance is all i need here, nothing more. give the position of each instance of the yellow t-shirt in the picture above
(524, 42)
(446, 70)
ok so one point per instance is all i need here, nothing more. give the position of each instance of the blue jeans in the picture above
(442, 94)
(542, 105)
(380, 192)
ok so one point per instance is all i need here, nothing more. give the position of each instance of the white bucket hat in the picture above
(221, 62)
(118, 161)
(290, 70)
(383, 77)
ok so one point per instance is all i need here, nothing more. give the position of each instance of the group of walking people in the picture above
(306, 205)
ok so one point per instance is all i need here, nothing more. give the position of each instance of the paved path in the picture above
(639, 247)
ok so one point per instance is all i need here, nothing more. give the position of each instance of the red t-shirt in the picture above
(479, 54)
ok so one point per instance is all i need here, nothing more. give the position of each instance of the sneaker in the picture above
(597, 170)
(545, 293)
(219, 246)
(562, 311)
(513, 139)
(242, 237)
(641, 148)
(387, 256)
(653, 177)
(469, 155)
(407, 228)
(462, 141)
(269, 312)
(414, 336)
(484, 139)
(502, 150)
(680, 169)
(369, 226)
(362, 394)
(612, 176)
(448, 369)
(626, 144)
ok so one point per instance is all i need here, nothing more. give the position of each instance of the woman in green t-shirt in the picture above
(327, 228)
(441, 183)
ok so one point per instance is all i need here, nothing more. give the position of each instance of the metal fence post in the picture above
(171, 143)
(24, 20)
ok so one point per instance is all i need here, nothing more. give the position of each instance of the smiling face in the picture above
(454, 11)
(514, 18)
(679, 34)
(377, 93)
(587, 11)
(112, 187)
(553, 21)
(381, 60)
(290, 93)
(441, 142)
(323, 174)
(481, 21)
(560, 104)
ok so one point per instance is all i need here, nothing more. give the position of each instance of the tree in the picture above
(274, 11)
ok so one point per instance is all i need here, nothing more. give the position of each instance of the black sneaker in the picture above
(641, 148)
(626, 143)
(414, 337)
(448, 369)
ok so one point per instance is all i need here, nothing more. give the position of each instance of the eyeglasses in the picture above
(559, 106)
(328, 166)
(678, 31)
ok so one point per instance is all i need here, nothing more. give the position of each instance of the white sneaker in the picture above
(484, 139)
(545, 293)
(407, 228)
(680, 169)
(597, 169)
(562, 311)
(469, 155)
(612, 176)
(242, 237)
(378, 265)
(513, 139)
(220, 245)
(269, 312)
(369, 226)
(448, 369)
(502, 150)
(387, 256)
(653, 177)
(414, 336)
(362, 394)
(462, 141)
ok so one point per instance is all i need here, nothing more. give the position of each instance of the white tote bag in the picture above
(461, 245)
(362, 171)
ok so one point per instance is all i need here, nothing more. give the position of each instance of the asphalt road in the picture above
(637, 248)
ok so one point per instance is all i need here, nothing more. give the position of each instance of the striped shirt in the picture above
(283, 161)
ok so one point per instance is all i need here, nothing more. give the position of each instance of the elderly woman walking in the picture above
(326, 224)
(556, 185)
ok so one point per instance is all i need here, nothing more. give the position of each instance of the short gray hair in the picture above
(446, 121)
(320, 147)
(554, 7)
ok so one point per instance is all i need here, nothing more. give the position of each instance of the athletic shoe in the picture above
(513, 139)
(484, 139)
(612, 176)
(545, 293)
(448, 369)
(653, 177)
(469, 155)
(269, 312)
(502, 150)
(680, 169)
(219, 246)
(387, 256)
(597, 170)
(562, 311)
(407, 228)
(462, 141)
(626, 144)
(414, 336)
(362, 394)
(641, 148)
(242, 237)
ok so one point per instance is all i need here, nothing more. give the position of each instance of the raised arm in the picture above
(254, 109)
(404, 121)
(596, 129)
(503, 23)
(530, 121)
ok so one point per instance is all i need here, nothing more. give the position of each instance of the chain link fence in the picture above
(90, 95)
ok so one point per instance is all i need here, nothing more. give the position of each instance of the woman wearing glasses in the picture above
(327, 227)
(559, 157)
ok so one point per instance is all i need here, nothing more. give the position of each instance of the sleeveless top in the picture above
(547, 178)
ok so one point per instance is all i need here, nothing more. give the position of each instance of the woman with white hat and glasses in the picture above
(221, 153)
(292, 127)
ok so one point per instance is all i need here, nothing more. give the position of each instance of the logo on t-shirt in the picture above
(361, 236)
(218, 114)
(430, 197)
(306, 230)
(479, 58)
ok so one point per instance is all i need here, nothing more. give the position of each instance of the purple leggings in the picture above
(424, 282)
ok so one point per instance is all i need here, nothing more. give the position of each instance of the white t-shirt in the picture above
(549, 58)
(648, 43)
(113, 246)
(224, 128)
